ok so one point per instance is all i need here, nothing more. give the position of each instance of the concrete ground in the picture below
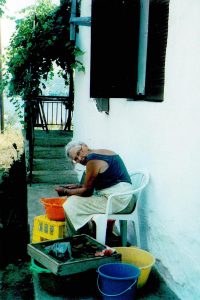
(18, 282)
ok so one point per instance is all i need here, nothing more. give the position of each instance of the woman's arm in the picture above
(92, 169)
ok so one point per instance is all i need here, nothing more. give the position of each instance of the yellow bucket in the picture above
(140, 258)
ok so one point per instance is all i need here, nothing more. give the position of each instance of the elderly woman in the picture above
(105, 174)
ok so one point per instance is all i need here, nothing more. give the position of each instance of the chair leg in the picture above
(123, 232)
(101, 227)
(137, 232)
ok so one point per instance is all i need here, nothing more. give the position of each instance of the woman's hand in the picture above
(64, 190)
(61, 191)
(71, 186)
(78, 190)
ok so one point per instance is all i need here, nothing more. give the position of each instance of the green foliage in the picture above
(41, 37)
(2, 3)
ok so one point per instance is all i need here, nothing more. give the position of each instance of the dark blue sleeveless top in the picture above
(115, 173)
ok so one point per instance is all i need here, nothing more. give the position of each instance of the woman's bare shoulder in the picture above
(104, 152)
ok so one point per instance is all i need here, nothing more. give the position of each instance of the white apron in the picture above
(80, 210)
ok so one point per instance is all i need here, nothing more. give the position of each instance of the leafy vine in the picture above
(42, 37)
(2, 3)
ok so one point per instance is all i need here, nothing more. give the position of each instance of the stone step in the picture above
(55, 177)
(52, 164)
(49, 152)
(53, 133)
(49, 141)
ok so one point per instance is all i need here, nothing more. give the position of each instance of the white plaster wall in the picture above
(163, 138)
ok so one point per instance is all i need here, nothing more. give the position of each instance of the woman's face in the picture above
(79, 153)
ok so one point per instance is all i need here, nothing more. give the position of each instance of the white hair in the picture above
(71, 145)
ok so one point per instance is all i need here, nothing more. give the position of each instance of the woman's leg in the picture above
(70, 230)
(80, 210)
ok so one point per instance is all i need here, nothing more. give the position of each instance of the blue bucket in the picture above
(118, 281)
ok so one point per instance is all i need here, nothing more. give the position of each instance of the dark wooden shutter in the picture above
(114, 48)
(157, 42)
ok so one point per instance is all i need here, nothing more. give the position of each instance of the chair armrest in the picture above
(109, 203)
(135, 191)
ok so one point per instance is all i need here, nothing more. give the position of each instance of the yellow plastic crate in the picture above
(46, 229)
(37, 238)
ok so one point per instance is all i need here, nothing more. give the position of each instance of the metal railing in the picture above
(52, 110)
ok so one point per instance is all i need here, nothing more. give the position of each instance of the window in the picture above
(115, 48)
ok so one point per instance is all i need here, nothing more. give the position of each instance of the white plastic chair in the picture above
(139, 181)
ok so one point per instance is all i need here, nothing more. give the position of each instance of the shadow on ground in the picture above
(18, 282)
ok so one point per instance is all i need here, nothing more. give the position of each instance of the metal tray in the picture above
(85, 262)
